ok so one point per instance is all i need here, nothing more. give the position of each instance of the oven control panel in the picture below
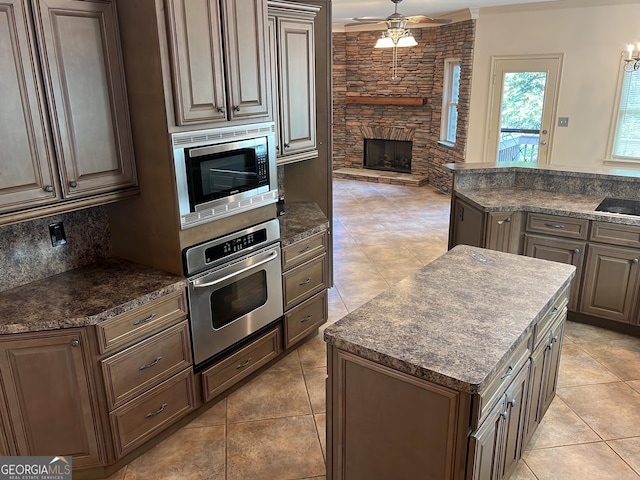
(235, 245)
(229, 247)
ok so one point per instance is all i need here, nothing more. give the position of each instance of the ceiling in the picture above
(345, 10)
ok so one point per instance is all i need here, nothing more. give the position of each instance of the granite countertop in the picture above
(456, 320)
(84, 296)
(541, 201)
(301, 220)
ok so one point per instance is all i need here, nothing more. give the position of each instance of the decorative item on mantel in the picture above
(632, 62)
(397, 35)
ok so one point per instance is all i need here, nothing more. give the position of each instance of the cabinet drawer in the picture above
(137, 421)
(129, 327)
(558, 226)
(304, 250)
(545, 322)
(615, 234)
(306, 317)
(503, 377)
(219, 377)
(146, 364)
(304, 281)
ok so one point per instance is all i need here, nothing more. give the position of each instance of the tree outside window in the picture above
(450, 101)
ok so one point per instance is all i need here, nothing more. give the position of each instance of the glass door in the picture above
(522, 109)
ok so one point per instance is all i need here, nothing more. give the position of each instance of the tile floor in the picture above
(273, 427)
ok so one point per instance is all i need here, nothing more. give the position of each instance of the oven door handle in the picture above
(272, 256)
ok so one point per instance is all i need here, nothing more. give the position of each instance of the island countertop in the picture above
(457, 319)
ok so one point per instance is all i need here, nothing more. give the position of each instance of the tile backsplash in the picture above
(26, 253)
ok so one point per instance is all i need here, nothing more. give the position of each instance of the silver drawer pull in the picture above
(554, 225)
(507, 373)
(305, 282)
(153, 414)
(155, 362)
(553, 311)
(513, 403)
(242, 365)
(302, 250)
(145, 320)
(306, 319)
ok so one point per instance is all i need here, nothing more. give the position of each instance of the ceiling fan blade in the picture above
(425, 19)
(369, 20)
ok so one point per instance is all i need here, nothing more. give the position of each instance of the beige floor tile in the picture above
(577, 367)
(315, 379)
(629, 450)
(189, 454)
(321, 425)
(273, 394)
(215, 415)
(290, 362)
(561, 426)
(621, 357)
(612, 410)
(313, 353)
(581, 332)
(578, 462)
(276, 449)
(522, 472)
(635, 385)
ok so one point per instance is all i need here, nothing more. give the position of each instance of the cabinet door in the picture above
(503, 231)
(515, 421)
(485, 445)
(82, 67)
(611, 282)
(562, 251)
(49, 391)
(27, 169)
(536, 384)
(196, 60)
(467, 225)
(552, 365)
(297, 85)
(245, 43)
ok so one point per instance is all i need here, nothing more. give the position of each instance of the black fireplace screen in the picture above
(391, 155)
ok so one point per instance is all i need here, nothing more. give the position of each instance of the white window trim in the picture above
(446, 99)
(609, 158)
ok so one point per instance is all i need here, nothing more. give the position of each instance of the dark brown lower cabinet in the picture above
(49, 400)
(611, 283)
(496, 446)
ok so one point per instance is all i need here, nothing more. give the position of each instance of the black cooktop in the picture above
(619, 205)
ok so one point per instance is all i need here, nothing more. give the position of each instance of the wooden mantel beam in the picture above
(378, 100)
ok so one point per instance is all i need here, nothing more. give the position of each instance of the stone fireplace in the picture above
(389, 155)
(369, 104)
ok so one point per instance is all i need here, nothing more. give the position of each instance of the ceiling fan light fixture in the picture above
(407, 41)
(384, 42)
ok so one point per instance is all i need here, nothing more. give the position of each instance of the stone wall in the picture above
(361, 70)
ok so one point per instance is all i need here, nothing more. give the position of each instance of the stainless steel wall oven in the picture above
(234, 288)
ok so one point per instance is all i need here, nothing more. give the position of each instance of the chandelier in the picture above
(632, 62)
(396, 36)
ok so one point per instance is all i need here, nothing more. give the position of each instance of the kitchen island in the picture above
(447, 374)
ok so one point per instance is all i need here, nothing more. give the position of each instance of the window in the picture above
(450, 100)
(626, 140)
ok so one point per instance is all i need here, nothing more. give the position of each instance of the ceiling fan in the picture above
(397, 20)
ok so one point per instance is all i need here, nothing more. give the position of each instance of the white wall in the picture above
(591, 34)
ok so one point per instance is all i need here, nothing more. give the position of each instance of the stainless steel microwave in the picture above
(224, 171)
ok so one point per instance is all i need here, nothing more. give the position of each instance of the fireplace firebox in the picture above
(390, 155)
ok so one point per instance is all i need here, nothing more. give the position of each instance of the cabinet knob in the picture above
(577, 250)
(287, 145)
(504, 415)
(635, 260)
(277, 148)
(507, 373)
(75, 343)
(513, 403)
(236, 108)
(73, 184)
(508, 220)
(48, 188)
